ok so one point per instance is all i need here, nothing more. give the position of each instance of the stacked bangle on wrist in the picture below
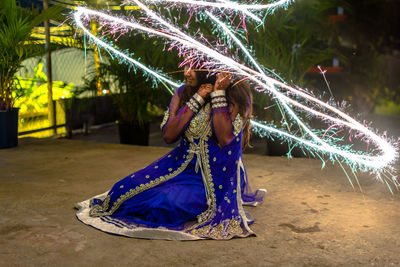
(218, 99)
(195, 103)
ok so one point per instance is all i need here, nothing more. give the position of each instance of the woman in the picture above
(196, 191)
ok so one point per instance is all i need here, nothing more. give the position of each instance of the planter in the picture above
(9, 128)
(134, 133)
(83, 112)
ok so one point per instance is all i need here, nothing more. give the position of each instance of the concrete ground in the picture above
(311, 217)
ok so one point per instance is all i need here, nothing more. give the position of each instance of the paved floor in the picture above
(311, 217)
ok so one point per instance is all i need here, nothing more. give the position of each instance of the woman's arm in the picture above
(178, 121)
(223, 114)
(222, 122)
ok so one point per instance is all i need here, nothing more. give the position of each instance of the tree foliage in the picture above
(16, 43)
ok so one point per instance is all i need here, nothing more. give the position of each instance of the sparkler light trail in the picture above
(292, 101)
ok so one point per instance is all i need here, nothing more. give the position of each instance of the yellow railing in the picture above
(36, 124)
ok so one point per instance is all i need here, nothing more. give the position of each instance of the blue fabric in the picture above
(197, 183)
(170, 204)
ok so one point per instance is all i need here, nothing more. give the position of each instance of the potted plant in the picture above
(16, 45)
(135, 99)
(291, 42)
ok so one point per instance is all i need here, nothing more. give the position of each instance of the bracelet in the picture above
(218, 99)
(193, 105)
(218, 93)
(199, 99)
(219, 105)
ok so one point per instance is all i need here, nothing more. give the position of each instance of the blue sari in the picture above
(196, 191)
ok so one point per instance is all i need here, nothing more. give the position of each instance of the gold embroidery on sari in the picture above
(102, 210)
(224, 230)
(210, 212)
(200, 128)
(239, 204)
(165, 119)
(201, 232)
(98, 208)
(237, 125)
(234, 228)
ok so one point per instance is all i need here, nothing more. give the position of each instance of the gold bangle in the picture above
(219, 105)
(218, 93)
(199, 99)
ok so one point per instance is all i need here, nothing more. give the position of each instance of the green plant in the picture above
(136, 99)
(132, 92)
(365, 38)
(16, 43)
(30, 94)
(290, 43)
(293, 40)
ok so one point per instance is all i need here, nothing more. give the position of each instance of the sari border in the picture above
(109, 225)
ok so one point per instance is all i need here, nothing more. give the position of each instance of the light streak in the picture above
(286, 96)
(225, 4)
(326, 81)
(81, 11)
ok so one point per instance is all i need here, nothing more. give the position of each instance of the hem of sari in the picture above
(113, 226)
(261, 196)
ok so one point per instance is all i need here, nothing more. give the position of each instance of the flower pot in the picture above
(134, 133)
(9, 128)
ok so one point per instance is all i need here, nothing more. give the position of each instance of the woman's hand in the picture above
(205, 90)
(223, 81)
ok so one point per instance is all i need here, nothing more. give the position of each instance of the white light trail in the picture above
(379, 164)
(226, 4)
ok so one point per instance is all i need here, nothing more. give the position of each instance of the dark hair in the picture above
(238, 94)
(203, 77)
